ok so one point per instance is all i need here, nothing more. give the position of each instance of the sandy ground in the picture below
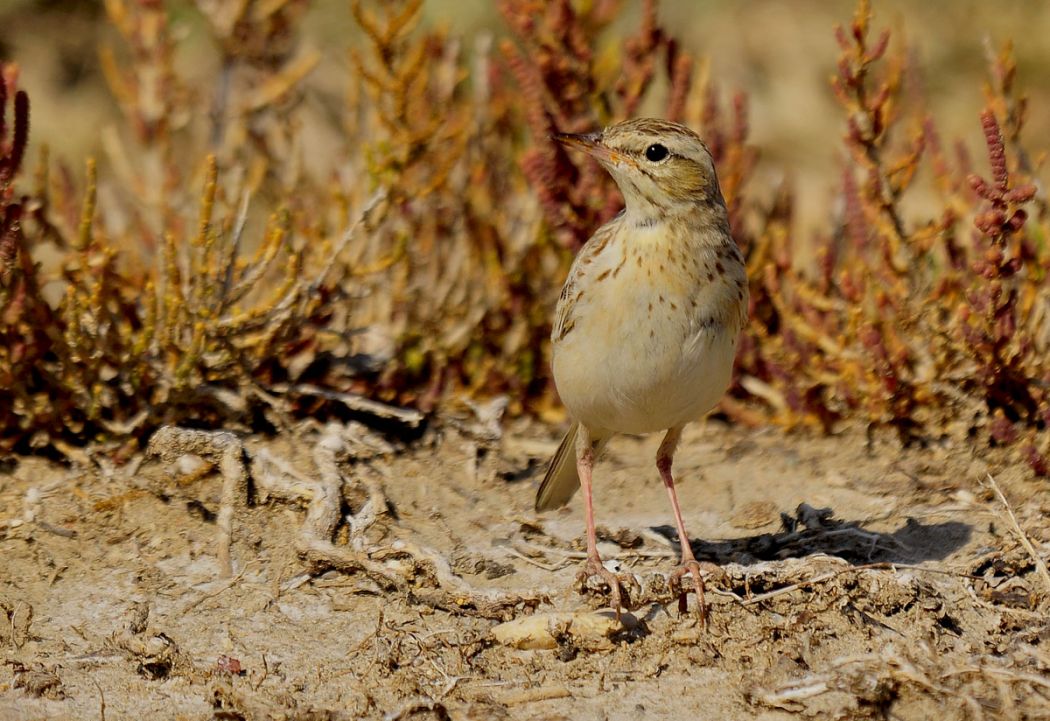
(912, 596)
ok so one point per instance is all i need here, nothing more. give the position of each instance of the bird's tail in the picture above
(561, 480)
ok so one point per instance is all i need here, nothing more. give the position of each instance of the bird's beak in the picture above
(591, 143)
(584, 141)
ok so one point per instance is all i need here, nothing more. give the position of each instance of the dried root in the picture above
(423, 574)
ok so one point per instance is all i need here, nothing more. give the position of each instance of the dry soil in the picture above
(861, 580)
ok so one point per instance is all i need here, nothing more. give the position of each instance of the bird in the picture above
(647, 324)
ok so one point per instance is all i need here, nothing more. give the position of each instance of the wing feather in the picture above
(581, 267)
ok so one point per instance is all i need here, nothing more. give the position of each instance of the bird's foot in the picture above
(619, 595)
(695, 569)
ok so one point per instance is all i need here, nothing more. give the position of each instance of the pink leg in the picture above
(688, 564)
(594, 566)
(584, 468)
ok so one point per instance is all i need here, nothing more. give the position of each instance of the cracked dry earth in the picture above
(860, 581)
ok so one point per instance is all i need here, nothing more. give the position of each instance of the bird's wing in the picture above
(581, 266)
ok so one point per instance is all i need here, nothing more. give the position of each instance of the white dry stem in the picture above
(355, 402)
(403, 565)
(1040, 564)
(171, 443)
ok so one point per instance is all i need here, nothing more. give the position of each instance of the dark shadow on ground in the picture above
(814, 530)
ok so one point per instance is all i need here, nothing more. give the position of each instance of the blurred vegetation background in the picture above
(782, 54)
(299, 208)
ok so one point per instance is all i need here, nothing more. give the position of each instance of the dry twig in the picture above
(1040, 564)
(422, 573)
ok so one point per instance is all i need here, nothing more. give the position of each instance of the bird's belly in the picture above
(634, 374)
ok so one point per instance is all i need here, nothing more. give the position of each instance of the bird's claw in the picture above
(619, 595)
(695, 569)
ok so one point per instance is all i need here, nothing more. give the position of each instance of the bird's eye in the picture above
(655, 153)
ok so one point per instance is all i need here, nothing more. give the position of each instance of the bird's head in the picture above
(659, 166)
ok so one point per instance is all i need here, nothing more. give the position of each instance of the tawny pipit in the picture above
(646, 327)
